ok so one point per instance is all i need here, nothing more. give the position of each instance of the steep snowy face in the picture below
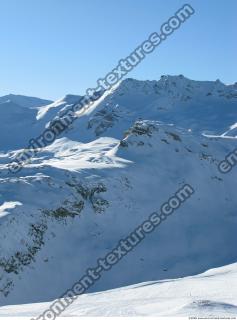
(57, 108)
(113, 167)
(202, 106)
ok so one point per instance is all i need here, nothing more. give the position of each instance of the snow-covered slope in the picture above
(210, 294)
(24, 101)
(117, 164)
(17, 116)
(202, 106)
(55, 108)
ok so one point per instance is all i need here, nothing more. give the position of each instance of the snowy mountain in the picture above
(24, 101)
(115, 165)
(18, 120)
(210, 294)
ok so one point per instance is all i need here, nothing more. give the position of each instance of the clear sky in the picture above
(49, 48)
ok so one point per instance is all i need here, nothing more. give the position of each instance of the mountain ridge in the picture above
(104, 175)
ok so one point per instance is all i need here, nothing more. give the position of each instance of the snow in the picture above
(210, 294)
(8, 205)
(23, 101)
(59, 104)
(70, 155)
(141, 141)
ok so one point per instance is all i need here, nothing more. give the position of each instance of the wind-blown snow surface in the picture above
(113, 167)
(210, 294)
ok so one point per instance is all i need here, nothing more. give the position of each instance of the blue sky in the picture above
(53, 47)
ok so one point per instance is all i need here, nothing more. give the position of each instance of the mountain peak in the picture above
(70, 98)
